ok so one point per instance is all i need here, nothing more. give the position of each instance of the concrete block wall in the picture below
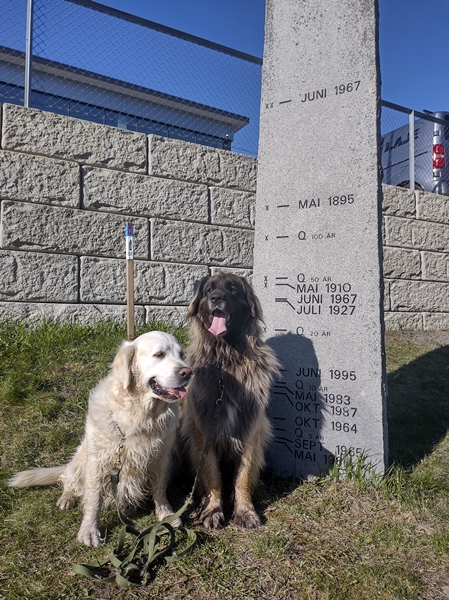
(416, 259)
(68, 186)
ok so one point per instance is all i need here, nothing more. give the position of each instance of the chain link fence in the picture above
(414, 149)
(12, 48)
(99, 64)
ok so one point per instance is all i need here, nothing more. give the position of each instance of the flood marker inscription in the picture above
(317, 262)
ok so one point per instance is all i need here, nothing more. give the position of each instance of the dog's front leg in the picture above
(248, 470)
(159, 479)
(89, 532)
(212, 515)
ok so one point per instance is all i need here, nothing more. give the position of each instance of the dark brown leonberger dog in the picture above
(229, 360)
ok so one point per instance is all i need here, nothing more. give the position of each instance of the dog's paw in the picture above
(163, 511)
(89, 536)
(176, 523)
(212, 518)
(248, 519)
(66, 501)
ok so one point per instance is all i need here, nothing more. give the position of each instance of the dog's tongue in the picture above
(218, 322)
(177, 392)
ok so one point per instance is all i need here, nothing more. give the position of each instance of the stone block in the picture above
(419, 296)
(398, 201)
(66, 230)
(135, 194)
(178, 159)
(245, 273)
(38, 277)
(433, 207)
(192, 243)
(436, 321)
(39, 179)
(174, 315)
(398, 321)
(435, 266)
(386, 299)
(230, 207)
(87, 314)
(104, 281)
(421, 235)
(400, 263)
(39, 132)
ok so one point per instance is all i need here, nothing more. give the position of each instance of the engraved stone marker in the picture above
(317, 263)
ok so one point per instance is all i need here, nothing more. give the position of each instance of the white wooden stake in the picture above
(129, 236)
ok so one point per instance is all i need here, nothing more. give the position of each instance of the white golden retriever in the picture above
(131, 423)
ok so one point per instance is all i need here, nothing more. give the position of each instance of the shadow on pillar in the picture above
(296, 411)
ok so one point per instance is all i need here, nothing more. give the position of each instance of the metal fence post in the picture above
(29, 54)
(411, 137)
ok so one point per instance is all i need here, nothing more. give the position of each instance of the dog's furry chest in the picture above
(239, 407)
(231, 431)
(135, 446)
(138, 459)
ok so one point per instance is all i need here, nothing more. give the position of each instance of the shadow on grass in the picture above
(269, 490)
(418, 407)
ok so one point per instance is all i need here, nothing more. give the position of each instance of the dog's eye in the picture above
(159, 355)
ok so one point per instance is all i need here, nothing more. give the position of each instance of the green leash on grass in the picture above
(153, 544)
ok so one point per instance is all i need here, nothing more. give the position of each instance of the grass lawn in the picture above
(331, 539)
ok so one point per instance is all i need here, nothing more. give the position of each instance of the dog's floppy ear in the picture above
(253, 300)
(195, 304)
(122, 365)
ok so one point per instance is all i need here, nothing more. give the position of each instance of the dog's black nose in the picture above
(217, 296)
(185, 373)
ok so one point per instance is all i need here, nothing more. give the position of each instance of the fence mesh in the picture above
(430, 166)
(109, 67)
(12, 38)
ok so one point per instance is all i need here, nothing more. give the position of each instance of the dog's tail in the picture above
(45, 476)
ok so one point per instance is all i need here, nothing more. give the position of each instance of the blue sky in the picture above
(413, 49)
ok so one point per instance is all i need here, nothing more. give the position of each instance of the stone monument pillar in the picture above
(318, 251)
